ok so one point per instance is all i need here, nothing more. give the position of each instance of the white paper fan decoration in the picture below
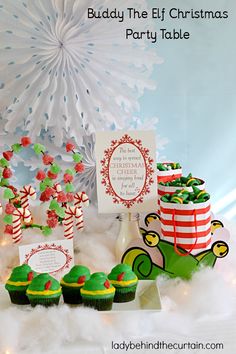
(85, 181)
(65, 73)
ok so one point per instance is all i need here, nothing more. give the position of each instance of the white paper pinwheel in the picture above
(68, 74)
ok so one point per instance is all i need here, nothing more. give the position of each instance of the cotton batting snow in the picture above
(200, 310)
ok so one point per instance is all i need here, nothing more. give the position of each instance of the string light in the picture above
(4, 243)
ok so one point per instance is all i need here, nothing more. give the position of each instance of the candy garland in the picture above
(60, 209)
(19, 199)
(4, 163)
(185, 197)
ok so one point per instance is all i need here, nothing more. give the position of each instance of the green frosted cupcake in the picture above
(72, 283)
(98, 292)
(125, 282)
(18, 282)
(44, 290)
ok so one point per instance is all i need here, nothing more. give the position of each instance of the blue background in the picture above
(195, 98)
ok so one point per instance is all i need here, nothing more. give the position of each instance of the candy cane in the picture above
(81, 198)
(57, 188)
(18, 215)
(68, 222)
(25, 193)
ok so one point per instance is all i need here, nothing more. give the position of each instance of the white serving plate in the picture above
(147, 299)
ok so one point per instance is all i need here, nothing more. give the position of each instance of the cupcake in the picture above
(44, 290)
(18, 282)
(72, 283)
(98, 292)
(125, 282)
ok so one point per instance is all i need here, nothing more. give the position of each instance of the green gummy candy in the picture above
(48, 182)
(191, 196)
(194, 182)
(184, 196)
(183, 180)
(199, 201)
(60, 212)
(4, 182)
(175, 201)
(8, 194)
(69, 188)
(165, 199)
(160, 167)
(42, 186)
(178, 191)
(39, 148)
(16, 148)
(55, 169)
(70, 171)
(4, 162)
(54, 205)
(46, 230)
(77, 157)
(196, 190)
(8, 219)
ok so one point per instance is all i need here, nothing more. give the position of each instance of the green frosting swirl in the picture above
(75, 273)
(98, 281)
(98, 275)
(42, 283)
(22, 273)
(122, 272)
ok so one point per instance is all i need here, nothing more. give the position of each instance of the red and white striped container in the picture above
(162, 190)
(186, 225)
(169, 175)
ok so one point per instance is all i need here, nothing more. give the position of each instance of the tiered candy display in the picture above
(64, 205)
(184, 209)
(179, 242)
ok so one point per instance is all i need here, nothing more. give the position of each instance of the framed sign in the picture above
(55, 257)
(126, 171)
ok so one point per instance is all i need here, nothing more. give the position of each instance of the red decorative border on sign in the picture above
(126, 139)
(54, 247)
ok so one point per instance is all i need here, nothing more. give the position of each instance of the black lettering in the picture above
(90, 13)
(225, 14)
